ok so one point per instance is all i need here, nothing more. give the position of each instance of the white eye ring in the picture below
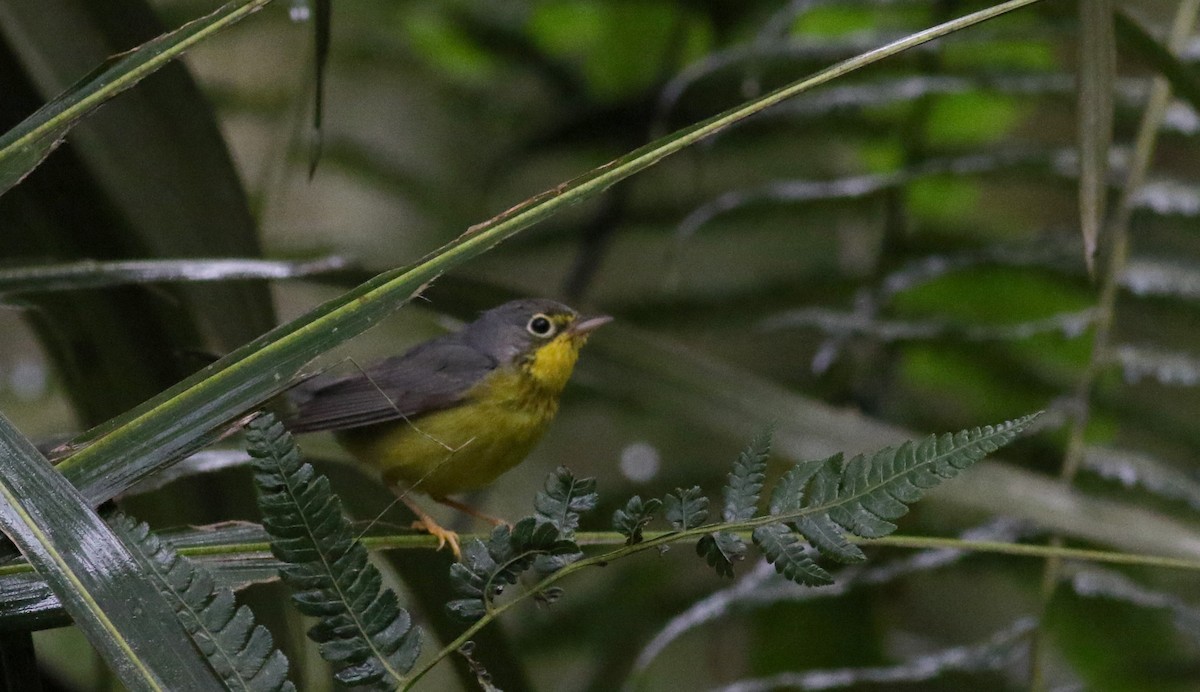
(540, 326)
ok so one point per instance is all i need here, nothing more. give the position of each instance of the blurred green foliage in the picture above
(845, 201)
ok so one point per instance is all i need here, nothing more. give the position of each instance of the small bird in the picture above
(453, 413)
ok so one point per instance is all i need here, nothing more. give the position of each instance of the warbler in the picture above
(452, 414)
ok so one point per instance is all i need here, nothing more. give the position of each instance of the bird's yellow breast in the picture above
(469, 445)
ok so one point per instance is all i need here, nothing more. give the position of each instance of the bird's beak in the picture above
(588, 323)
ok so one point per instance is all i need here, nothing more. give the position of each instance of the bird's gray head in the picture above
(514, 330)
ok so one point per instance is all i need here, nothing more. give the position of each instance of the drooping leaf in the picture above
(686, 509)
(361, 627)
(1097, 74)
(241, 652)
(746, 479)
(630, 520)
(720, 550)
(322, 33)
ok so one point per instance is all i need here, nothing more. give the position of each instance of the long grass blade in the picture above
(29, 143)
(93, 574)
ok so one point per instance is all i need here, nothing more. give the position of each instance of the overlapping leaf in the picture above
(361, 628)
(241, 652)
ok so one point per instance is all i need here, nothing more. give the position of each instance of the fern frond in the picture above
(784, 549)
(241, 652)
(630, 520)
(824, 500)
(686, 509)
(486, 569)
(361, 626)
(563, 499)
(720, 549)
(747, 477)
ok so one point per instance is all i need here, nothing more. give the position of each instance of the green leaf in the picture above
(1184, 82)
(746, 479)
(486, 569)
(241, 652)
(828, 539)
(788, 494)
(361, 627)
(563, 499)
(720, 550)
(686, 509)
(27, 145)
(93, 573)
(633, 518)
(1097, 77)
(75, 276)
(824, 499)
(784, 549)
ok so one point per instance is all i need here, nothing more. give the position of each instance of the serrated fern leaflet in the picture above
(686, 509)
(361, 628)
(543, 542)
(721, 548)
(563, 498)
(631, 519)
(822, 501)
(242, 653)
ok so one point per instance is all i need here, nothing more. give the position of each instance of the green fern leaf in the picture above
(784, 549)
(828, 539)
(632, 519)
(241, 652)
(863, 496)
(746, 479)
(686, 509)
(564, 498)
(487, 568)
(361, 626)
(788, 495)
(561, 502)
(720, 550)
(541, 542)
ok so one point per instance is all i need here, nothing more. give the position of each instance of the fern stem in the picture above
(1147, 136)
(660, 538)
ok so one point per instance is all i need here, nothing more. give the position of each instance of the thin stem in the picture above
(744, 528)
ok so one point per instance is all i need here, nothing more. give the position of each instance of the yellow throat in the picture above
(468, 446)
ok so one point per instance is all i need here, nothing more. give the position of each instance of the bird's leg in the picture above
(426, 523)
(468, 509)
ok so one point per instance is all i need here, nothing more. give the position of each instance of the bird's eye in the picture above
(540, 325)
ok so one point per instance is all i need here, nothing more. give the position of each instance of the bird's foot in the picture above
(444, 536)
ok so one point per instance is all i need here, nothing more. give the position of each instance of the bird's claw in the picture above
(444, 536)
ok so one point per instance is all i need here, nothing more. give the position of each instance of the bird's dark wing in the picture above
(432, 376)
